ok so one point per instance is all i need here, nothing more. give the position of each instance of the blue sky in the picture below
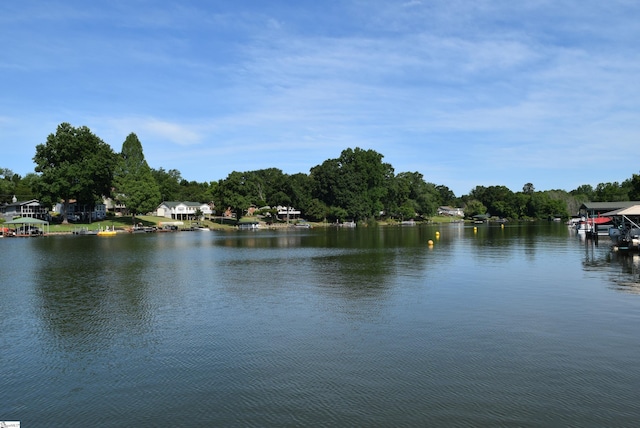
(465, 92)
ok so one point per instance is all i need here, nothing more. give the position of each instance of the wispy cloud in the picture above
(179, 134)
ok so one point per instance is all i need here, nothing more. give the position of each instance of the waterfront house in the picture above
(450, 211)
(182, 210)
(287, 213)
(76, 211)
(115, 207)
(29, 209)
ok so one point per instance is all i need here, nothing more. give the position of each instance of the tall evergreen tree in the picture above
(134, 185)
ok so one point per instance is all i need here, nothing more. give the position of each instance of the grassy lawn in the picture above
(443, 219)
(117, 222)
(125, 222)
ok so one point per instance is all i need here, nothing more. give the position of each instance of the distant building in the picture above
(114, 207)
(182, 210)
(76, 212)
(285, 213)
(454, 212)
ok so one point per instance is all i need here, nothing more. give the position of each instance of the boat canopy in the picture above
(26, 220)
(29, 222)
(632, 210)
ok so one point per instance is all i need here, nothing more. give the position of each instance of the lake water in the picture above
(522, 326)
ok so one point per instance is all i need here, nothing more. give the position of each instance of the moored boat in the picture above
(107, 232)
(85, 231)
(594, 225)
(625, 236)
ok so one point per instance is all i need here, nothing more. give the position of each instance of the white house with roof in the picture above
(182, 210)
(287, 212)
(454, 212)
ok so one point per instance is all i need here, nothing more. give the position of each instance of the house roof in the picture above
(170, 204)
(173, 204)
(19, 203)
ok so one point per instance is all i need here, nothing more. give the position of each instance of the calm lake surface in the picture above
(522, 326)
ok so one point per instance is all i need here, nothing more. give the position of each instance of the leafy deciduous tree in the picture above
(633, 185)
(357, 182)
(73, 164)
(168, 183)
(610, 192)
(474, 207)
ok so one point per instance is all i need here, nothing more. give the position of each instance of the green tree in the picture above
(546, 205)
(232, 193)
(398, 191)
(195, 191)
(26, 186)
(338, 214)
(134, 184)
(7, 185)
(610, 192)
(633, 184)
(447, 197)
(357, 182)
(499, 200)
(73, 164)
(317, 210)
(299, 188)
(169, 183)
(11, 184)
(528, 189)
(407, 210)
(412, 191)
(474, 207)
(266, 186)
(584, 191)
(520, 205)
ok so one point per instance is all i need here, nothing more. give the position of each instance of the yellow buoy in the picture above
(437, 235)
(475, 228)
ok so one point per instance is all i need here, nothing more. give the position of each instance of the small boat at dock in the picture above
(107, 232)
(593, 226)
(625, 233)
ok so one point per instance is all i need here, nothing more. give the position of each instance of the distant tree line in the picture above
(75, 164)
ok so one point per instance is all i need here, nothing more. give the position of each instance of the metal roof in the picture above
(26, 220)
(632, 210)
(609, 206)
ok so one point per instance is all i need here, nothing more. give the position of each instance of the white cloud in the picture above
(156, 130)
